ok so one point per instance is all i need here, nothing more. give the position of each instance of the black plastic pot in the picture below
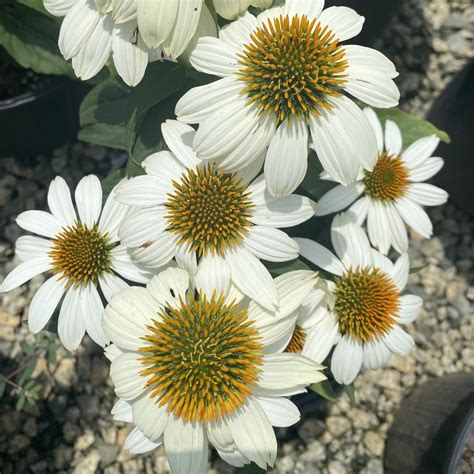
(432, 428)
(39, 121)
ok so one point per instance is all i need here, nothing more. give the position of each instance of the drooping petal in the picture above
(415, 217)
(125, 373)
(426, 194)
(71, 328)
(401, 270)
(287, 158)
(150, 417)
(346, 360)
(44, 303)
(92, 309)
(320, 256)
(279, 411)
(375, 355)
(214, 56)
(137, 443)
(397, 340)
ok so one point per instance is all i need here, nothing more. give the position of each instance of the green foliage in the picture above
(350, 392)
(412, 127)
(279, 268)
(249, 469)
(31, 37)
(118, 116)
(325, 390)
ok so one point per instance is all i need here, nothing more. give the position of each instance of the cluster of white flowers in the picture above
(206, 346)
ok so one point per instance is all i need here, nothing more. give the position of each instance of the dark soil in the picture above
(15, 80)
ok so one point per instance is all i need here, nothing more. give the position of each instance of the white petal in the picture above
(44, 303)
(346, 361)
(237, 33)
(252, 278)
(234, 458)
(281, 212)
(186, 259)
(92, 309)
(378, 226)
(382, 262)
(253, 434)
(126, 317)
(150, 417)
(156, 20)
(350, 242)
(311, 8)
(187, 20)
(397, 340)
(112, 351)
(320, 256)
(214, 56)
(200, 102)
(137, 443)
(337, 199)
(360, 209)
(426, 194)
(320, 339)
(344, 140)
(179, 138)
(415, 217)
(112, 216)
(393, 138)
(122, 411)
(89, 199)
(125, 373)
(287, 158)
(286, 370)
(230, 9)
(123, 264)
(95, 52)
(124, 10)
(375, 124)
(39, 222)
(142, 226)
(30, 246)
(142, 191)
(427, 169)
(169, 286)
(344, 22)
(186, 446)
(270, 244)
(58, 7)
(158, 253)
(220, 435)
(24, 272)
(130, 58)
(375, 355)
(419, 151)
(213, 275)
(111, 284)
(225, 129)
(77, 27)
(401, 271)
(398, 231)
(279, 411)
(60, 202)
(71, 327)
(410, 307)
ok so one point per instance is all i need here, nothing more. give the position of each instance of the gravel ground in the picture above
(71, 430)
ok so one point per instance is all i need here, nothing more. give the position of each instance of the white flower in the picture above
(365, 313)
(393, 192)
(191, 370)
(282, 73)
(187, 208)
(231, 9)
(81, 250)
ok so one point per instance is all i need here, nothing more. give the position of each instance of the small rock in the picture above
(315, 451)
(374, 466)
(89, 406)
(108, 454)
(88, 464)
(17, 443)
(285, 464)
(311, 429)
(337, 425)
(84, 441)
(65, 373)
(336, 467)
(374, 443)
(30, 427)
(62, 456)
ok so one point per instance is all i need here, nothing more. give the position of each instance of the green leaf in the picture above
(412, 127)
(28, 371)
(52, 351)
(27, 348)
(349, 390)
(36, 5)
(325, 390)
(20, 403)
(104, 114)
(313, 186)
(2, 385)
(418, 269)
(111, 181)
(31, 37)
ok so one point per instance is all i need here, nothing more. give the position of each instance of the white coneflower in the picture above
(82, 252)
(365, 311)
(190, 209)
(284, 72)
(393, 192)
(194, 365)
